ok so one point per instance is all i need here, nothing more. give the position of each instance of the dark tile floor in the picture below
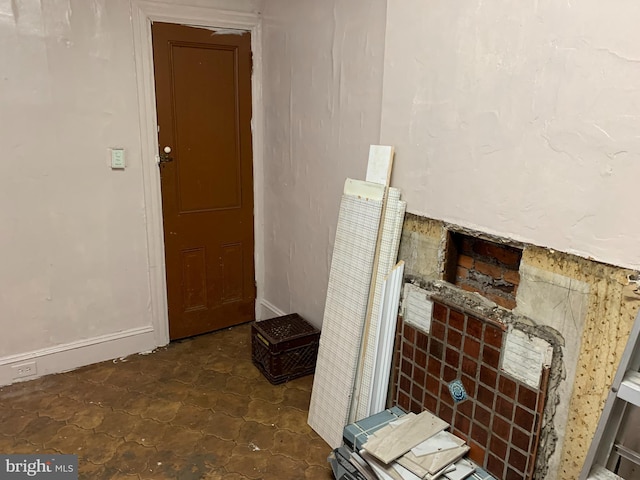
(197, 408)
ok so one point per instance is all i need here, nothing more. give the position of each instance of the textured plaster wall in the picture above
(591, 307)
(322, 89)
(601, 326)
(73, 247)
(519, 119)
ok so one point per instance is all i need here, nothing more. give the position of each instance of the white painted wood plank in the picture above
(365, 190)
(385, 337)
(344, 314)
(386, 256)
(380, 164)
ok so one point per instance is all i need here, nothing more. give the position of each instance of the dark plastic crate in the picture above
(284, 348)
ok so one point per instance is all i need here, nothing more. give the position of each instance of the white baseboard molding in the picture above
(70, 356)
(269, 310)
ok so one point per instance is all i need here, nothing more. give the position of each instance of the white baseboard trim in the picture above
(69, 356)
(272, 309)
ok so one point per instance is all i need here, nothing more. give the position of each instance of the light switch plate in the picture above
(117, 158)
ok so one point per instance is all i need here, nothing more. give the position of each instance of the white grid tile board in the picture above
(345, 311)
(389, 243)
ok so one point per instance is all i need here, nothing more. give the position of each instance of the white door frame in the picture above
(143, 12)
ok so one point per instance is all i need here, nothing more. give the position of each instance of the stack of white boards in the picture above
(414, 447)
(358, 327)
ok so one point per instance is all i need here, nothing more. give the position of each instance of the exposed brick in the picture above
(504, 287)
(512, 276)
(493, 271)
(509, 256)
(466, 244)
(465, 261)
(481, 247)
(461, 274)
(508, 303)
(469, 288)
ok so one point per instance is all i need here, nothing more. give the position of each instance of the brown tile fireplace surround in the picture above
(473, 302)
(501, 417)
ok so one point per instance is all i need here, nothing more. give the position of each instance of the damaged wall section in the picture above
(588, 307)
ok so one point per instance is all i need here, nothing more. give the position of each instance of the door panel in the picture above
(203, 97)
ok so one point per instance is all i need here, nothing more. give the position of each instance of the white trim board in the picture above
(69, 356)
(143, 12)
(275, 311)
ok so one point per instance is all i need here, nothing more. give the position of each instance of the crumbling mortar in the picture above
(479, 306)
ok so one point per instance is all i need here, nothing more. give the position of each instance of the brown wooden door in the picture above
(203, 99)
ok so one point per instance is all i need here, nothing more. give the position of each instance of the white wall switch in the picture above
(117, 158)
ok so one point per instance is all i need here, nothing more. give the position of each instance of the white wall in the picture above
(73, 245)
(323, 86)
(519, 119)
